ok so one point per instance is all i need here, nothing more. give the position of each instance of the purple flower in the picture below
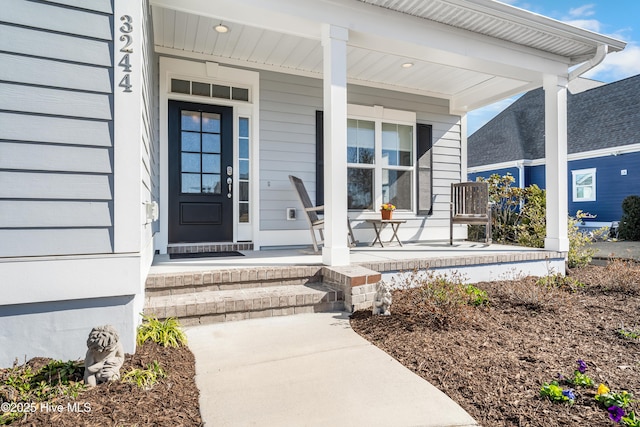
(560, 376)
(616, 413)
(569, 394)
(582, 366)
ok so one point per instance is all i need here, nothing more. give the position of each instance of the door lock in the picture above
(229, 184)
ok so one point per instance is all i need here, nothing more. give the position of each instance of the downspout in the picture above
(520, 166)
(601, 53)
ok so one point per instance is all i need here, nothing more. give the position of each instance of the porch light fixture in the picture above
(407, 65)
(220, 28)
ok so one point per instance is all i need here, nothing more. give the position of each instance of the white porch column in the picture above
(334, 43)
(555, 116)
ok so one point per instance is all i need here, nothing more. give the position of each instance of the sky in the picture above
(619, 19)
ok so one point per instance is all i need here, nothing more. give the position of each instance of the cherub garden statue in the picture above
(382, 302)
(105, 356)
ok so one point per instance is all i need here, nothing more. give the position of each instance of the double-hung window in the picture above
(584, 185)
(381, 146)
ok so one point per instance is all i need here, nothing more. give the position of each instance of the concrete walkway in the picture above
(617, 249)
(309, 370)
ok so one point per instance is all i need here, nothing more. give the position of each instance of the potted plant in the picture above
(386, 209)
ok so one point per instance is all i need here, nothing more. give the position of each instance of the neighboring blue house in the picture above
(603, 145)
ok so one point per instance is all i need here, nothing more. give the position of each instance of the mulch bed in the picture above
(492, 360)
(494, 363)
(171, 402)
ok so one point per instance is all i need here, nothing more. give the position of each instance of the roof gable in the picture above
(602, 117)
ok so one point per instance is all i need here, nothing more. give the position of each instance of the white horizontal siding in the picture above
(28, 185)
(46, 72)
(55, 130)
(288, 105)
(54, 102)
(287, 126)
(54, 18)
(56, 127)
(41, 242)
(28, 41)
(30, 213)
(96, 5)
(38, 157)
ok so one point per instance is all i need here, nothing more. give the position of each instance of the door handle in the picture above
(230, 187)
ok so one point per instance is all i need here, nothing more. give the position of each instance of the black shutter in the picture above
(424, 186)
(319, 159)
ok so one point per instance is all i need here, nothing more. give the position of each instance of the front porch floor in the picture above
(432, 254)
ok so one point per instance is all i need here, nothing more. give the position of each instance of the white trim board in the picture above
(211, 72)
(613, 151)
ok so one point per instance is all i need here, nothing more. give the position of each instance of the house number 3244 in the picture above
(125, 62)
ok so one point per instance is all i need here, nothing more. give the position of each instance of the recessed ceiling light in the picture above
(221, 28)
(407, 65)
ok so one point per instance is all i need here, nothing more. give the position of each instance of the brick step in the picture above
(230, 279)
(210, 306)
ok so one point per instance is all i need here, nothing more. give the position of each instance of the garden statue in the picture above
(105, 356)
(382, 302)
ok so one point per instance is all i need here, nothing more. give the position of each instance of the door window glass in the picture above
(200, 153)
(243, 165)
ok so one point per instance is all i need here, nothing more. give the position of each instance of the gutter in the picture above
(601, 53)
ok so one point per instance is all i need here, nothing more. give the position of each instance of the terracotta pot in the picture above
(386, 214)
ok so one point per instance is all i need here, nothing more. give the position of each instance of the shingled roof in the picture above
(603, 117)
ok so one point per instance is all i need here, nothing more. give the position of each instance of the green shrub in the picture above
(167, 333)
(519, 216)
(630, 222)
(26, 387)
(506, 201)
(632, 334)
(533, 224)
(580, 250)
(560, 281)
(476, 295)
(145, 378)
(580, 253)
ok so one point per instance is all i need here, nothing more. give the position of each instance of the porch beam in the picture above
(334, 43)
(555, 116)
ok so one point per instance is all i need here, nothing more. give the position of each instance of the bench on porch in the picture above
(470, 205)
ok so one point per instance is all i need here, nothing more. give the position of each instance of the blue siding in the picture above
(486, 174)
(535, 175)
(611, 186)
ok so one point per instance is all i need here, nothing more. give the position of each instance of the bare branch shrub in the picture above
(618, 276)
(531, 293)
(443, 299)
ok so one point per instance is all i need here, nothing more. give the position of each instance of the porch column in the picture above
(555, 116)
(334, 43)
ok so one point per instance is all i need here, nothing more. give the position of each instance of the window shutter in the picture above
(319, 159)
(424, 186)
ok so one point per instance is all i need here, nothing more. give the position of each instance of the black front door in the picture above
(200, 173)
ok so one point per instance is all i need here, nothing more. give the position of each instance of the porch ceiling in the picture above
(449, 42)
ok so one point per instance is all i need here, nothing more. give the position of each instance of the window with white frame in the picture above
(244, 166)
(584, 185)
(381, 158)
